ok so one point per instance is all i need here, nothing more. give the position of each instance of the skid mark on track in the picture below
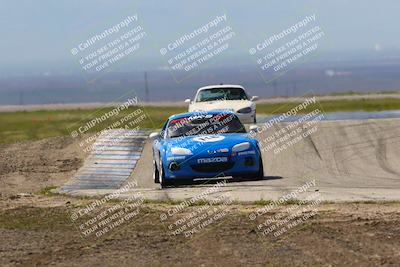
(381, 157)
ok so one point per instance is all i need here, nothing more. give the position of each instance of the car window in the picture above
(221, 94)
(204, 124)
(162, 132)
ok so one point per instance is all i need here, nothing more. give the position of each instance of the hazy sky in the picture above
(43, 32)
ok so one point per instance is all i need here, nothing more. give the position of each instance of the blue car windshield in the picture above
(205, 124)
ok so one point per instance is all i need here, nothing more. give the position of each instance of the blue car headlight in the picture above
(241, 147)
(180, 151)
(244, 110)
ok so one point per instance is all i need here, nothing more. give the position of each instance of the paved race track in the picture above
(349, 160)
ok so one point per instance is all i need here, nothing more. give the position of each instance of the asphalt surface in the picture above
(349, 160)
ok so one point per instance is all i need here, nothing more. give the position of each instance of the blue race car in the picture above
(205, 145)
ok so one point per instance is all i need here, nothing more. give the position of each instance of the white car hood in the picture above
(233, 105)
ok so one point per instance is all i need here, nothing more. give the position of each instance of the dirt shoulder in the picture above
(37, 231)
(28, 167)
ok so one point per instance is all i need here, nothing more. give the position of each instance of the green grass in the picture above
(333, 106)
(351, 93)
(33, 218)
(20, 126)
(47, 191)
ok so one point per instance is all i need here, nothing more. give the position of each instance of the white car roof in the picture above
(221, 86)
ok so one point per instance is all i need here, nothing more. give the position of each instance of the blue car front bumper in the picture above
(205, 165)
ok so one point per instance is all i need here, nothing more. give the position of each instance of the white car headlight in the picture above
(241, 147)
(180, 151)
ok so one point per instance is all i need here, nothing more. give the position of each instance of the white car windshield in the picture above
(213, 94)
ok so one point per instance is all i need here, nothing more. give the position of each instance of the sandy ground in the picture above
(37, 231)
(28, 167)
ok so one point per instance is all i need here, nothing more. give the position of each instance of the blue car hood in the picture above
(215, 141)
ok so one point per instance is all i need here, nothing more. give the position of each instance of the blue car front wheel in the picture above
(259, 175)
(163, 181)
(156, 174)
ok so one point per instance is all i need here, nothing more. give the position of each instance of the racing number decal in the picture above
(209, 138)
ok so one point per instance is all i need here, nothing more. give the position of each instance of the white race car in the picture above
(227, 97)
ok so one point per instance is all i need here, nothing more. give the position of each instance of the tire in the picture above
(156, 174)
(259, 175)
(188, 181)
(162, 180)
(255, 119)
